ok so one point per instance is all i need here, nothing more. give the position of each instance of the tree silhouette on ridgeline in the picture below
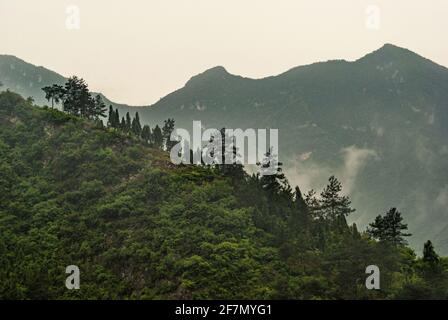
(389, 228)
(146, 134)
(429, 254)
(136, 127)
(167, 129)
(283, 242)
(334, 205)
(53, 93)
(157, 137)
(76, 99)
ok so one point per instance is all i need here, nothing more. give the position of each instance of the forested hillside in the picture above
(379, 123)
(105, 198)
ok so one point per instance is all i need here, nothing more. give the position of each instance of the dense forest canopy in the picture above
(379, 123)
(106, 198)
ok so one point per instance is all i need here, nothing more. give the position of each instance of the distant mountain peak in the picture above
(390, 52)
(389, 48)
(10, 57)
(216, 70)
(215, 73)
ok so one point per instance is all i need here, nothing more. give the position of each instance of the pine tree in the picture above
(54, 93)
(168, 128)
(49, 95)
(123, 124)
(300, 206)
(234, 170)
(389, 228)
(128, 125)
(76, 99)
(111, 118)
(116, 119)
(272, 178)
(136, 126)
(146, 134)
(354, 231)
(333, 205)
(429, 254)
(157, 137)
(99, 108)
(313, 205)
(298, 199)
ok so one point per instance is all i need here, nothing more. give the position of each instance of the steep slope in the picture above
(28, 80)
(380, 123)
(75, 193)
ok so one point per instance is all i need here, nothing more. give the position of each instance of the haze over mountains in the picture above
(28, 80)
(379, 123)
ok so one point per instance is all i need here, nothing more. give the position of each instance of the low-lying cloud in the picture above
(309, 174)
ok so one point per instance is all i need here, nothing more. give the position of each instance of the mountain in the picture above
(378, 123)
(73, 192)
(28, 80)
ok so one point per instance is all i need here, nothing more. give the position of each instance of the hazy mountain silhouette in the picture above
(28, 80)
(380, 123)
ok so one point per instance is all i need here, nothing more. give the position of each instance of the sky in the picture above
(137, 51)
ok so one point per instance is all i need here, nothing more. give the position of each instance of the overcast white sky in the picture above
(136, 51)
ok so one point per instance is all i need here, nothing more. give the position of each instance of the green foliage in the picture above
(136, 127)
(133, 127)
(167, 129)
(53, 93)
(333, 205)
(72, 192)
(389, 228)
(146, 134)
(157, 137)
(76, 99)
(128, 123)
(429, 254)
(272, 178)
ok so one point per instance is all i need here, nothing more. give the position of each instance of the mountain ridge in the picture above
(74, 192)
(391, 103)
(36, 78)
(387, 50)
(217, 72)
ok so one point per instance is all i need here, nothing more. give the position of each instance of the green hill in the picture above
(73, 192)
(379, 123)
